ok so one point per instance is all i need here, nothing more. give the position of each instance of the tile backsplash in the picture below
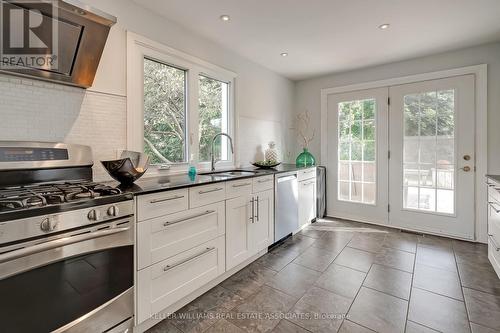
(33, 110)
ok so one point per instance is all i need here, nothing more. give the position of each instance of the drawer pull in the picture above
(264, 181)
(210, 191)
(492, 205)
(208, 212)
(241, 185)
(495, 244)
(189, 259)
(166, 199)
(308, 183)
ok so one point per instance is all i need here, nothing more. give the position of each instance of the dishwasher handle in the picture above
(286, 178)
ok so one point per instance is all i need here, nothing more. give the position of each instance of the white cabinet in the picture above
(249, 226)
(238, 217)
(307, 196)
(164, 283)
(494, 224)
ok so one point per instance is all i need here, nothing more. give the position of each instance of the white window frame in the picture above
(138, 48)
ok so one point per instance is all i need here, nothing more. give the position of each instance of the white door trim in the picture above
(481, 139)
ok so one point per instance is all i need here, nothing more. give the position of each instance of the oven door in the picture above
(78, 281)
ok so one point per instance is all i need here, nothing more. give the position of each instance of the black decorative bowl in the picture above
(266, 166)
(124, 169)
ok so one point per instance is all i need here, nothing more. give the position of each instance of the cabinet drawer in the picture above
(306, 174)
(204, 195)
(162, 203)
(166, 236)
(238, 188)
(494, 221)
(263, 183)
(493, 192)
(168, 281)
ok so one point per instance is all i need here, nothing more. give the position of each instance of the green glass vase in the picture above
(305, 159)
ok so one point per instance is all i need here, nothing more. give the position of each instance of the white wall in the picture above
(33, 110)
(308, 91)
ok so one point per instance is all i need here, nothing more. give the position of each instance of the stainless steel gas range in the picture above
(66, 243)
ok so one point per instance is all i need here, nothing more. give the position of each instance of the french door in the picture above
(409, 164)
(357, 163)
(431, 187)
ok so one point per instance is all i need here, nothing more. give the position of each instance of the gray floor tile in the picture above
(438, 281)
(261, 311)
(480, 278)
(276, 261)
(316, 258)
(350, 327)
(371, 242)
(312, 232)
(223, 326)
(286, 326)
(481, 329)
(438, 312)
(356, 259)
(378, 311)
(320, 310)
(396, 259)
(294, 280)
(341, 280)
(248, 280)
(436, 257)
(436, 242)
(401, 241)
(484, 309)
(217, 298)
(165, 326)
(296, 243)
(412, 327)
(388, 280)
(470, 247)
(333, 241)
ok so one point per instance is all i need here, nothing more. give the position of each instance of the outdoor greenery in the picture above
(165, 115)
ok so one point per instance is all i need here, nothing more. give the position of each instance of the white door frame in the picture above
(481, 139)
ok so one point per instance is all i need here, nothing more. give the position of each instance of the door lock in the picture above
(467, 157)
(466, 168)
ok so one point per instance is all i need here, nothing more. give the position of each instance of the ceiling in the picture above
(325, 36)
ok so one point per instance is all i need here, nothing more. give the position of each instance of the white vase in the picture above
(271, 154)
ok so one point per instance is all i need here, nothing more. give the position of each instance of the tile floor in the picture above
(340, 276)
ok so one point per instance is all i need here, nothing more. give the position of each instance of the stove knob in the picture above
(113, 211)
(93, 215)
(47, 225)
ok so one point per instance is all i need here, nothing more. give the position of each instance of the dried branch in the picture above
(302, 123)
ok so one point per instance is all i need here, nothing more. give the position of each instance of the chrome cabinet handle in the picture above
(264, 181)
(495, 244)
(241, 185)
(210, 191)
(258, 204)
(187, 260)
(185, 219)
(252, 216)
(308, 183)
(166, 199)
(58, 243)
(492, 205)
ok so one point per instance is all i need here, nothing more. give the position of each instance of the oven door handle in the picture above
(8, 256)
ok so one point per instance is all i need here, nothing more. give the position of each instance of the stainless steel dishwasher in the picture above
(286, 206)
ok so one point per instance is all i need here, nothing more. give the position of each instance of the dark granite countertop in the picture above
(495, 178)
(173, 182)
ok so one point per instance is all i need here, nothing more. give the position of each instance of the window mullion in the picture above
(193, 115)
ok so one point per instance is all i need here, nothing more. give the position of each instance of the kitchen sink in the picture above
(230, 173)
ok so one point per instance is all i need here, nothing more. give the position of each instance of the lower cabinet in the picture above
(162, 284)
(249, 226)
(307, 201)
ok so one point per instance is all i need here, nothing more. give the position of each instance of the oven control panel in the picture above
(21, 154)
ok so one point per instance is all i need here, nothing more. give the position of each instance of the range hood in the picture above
(64, 40)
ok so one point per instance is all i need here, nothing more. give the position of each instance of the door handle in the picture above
(252, 215)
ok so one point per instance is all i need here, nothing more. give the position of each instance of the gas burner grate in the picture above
(22, 197)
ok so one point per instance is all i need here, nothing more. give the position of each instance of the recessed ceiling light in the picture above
(284, 54)
(225, 18)
(384, 26)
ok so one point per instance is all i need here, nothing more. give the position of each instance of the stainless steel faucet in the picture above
(214, 160)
